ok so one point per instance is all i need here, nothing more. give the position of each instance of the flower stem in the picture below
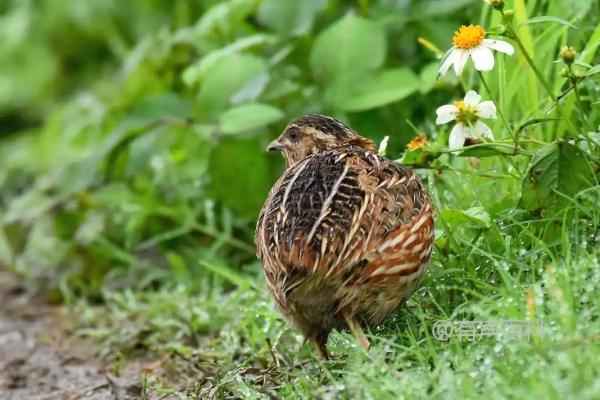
(364, 6)
(573, 80)
(580, 106)
(499, 109)
(529, 60)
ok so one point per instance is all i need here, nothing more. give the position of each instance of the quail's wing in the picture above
(338, 213)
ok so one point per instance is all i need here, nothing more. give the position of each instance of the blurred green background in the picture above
(133, 132)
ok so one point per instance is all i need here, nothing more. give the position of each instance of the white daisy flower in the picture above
(469, 41)
(467, 113)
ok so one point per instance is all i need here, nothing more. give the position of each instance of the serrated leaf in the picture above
(348, 49)
(247, 117)
(558, 167)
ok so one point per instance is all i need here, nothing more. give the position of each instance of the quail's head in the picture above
(313, 134)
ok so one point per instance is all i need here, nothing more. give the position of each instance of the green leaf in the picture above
(290, 17)
(430, 8)
(240, 161)
(224, 18)
(78, 175)
(535, 121)
(429, 77)
(414, 158)
(592, 71)
(196, 72)
(348, 50)
(421, 157)
(389, 86)
(236, 75)
(227, 273)
(247, 117)
(28, 206)
(476, 217)
(556, 168)
(485, 151)
(593, 41)
(548, 18)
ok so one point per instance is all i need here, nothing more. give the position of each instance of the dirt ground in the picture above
(38, 360)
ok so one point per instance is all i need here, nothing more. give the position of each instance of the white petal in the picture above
(482, 130)
(472, 98)
(447, 61)
(457, 137)
(483, 58)
(446, 114)
(499, 45)
(486, 109)
(460, 59)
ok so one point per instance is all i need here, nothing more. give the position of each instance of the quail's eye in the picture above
(294, 135)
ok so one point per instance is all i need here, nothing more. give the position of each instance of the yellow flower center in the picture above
(417, 143)
(466, 114)
(468, 37)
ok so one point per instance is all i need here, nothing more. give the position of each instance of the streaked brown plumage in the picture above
(344, 235)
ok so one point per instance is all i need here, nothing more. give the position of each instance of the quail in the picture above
(345, 235)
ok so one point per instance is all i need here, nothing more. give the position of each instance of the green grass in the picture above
(233, 334)
(227, 335)
(132, 169)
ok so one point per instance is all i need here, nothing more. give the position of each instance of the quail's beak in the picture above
(276, 145)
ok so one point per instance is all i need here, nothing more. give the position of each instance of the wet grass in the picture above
(232, 343)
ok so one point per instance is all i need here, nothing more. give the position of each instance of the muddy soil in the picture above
(39, 360)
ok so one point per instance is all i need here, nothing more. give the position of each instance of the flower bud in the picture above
(509, 14)
(568, 54)
(497, 4)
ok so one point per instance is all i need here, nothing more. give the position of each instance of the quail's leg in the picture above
(357, 331)
(320, 343)
(320, 349)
